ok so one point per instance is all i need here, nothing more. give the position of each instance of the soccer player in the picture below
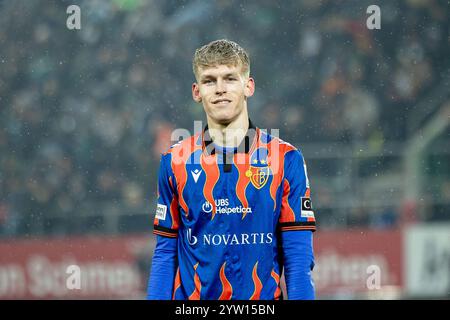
(234, 205)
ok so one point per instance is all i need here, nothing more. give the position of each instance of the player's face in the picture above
(223, 90)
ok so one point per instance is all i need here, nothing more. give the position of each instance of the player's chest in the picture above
(243, 191)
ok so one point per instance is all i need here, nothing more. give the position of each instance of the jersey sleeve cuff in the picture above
(298, 226)
(165, 232)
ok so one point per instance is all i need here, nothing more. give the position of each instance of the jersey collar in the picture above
(246, 144)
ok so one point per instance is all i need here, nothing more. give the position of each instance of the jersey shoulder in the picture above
(280, 144)
(185, 146)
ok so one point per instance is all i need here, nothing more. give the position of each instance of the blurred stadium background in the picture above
(84, 115)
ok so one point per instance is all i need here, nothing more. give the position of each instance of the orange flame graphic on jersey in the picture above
(227, 289)
(287, 214)
(243, 180)
(275, 161)
(174, 213)
(177, 283)
(276, 277)
(257, 282)
(180, 153)
(179, 170)
(195, 295)
(212, 174)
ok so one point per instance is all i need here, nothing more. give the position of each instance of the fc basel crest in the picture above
(259, 170)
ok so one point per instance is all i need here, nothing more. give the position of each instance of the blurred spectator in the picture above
(85, 114)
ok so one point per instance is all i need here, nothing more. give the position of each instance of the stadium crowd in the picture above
(84, 114)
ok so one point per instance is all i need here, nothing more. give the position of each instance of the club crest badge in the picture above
(259, 170)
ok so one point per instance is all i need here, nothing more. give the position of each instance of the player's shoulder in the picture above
(283, 146)
(185, 146)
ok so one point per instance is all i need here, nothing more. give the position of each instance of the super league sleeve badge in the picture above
(306, 209)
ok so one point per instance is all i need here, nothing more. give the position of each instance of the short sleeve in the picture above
(296, 206)
(167, 217)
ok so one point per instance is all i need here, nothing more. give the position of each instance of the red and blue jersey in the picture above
(227, 209)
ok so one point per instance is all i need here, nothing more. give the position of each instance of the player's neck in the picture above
(230, 134)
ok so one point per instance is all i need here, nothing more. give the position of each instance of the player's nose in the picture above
(221, 87)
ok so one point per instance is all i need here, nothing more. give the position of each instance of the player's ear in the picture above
(196, 92)
(249, 87)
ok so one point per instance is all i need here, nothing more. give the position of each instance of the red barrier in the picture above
(347, 262)
(37, 269)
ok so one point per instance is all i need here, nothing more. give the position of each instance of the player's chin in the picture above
(221, 120)
(224, 117)
(220, 116)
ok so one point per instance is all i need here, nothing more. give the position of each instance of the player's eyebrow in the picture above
(207, 76)
(210, 76)
(232, 74)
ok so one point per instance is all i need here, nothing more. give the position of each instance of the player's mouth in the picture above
(221, 102)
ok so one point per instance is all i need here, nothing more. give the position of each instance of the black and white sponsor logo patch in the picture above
(307, 208)
(161, 212)
(306, 203)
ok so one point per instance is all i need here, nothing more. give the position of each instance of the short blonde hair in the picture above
(221, 52)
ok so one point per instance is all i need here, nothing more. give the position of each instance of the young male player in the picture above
(234, 204)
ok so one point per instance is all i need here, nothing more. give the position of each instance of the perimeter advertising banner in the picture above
(110, 268)
(428, 261)
(358, 264)
(348, 263)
